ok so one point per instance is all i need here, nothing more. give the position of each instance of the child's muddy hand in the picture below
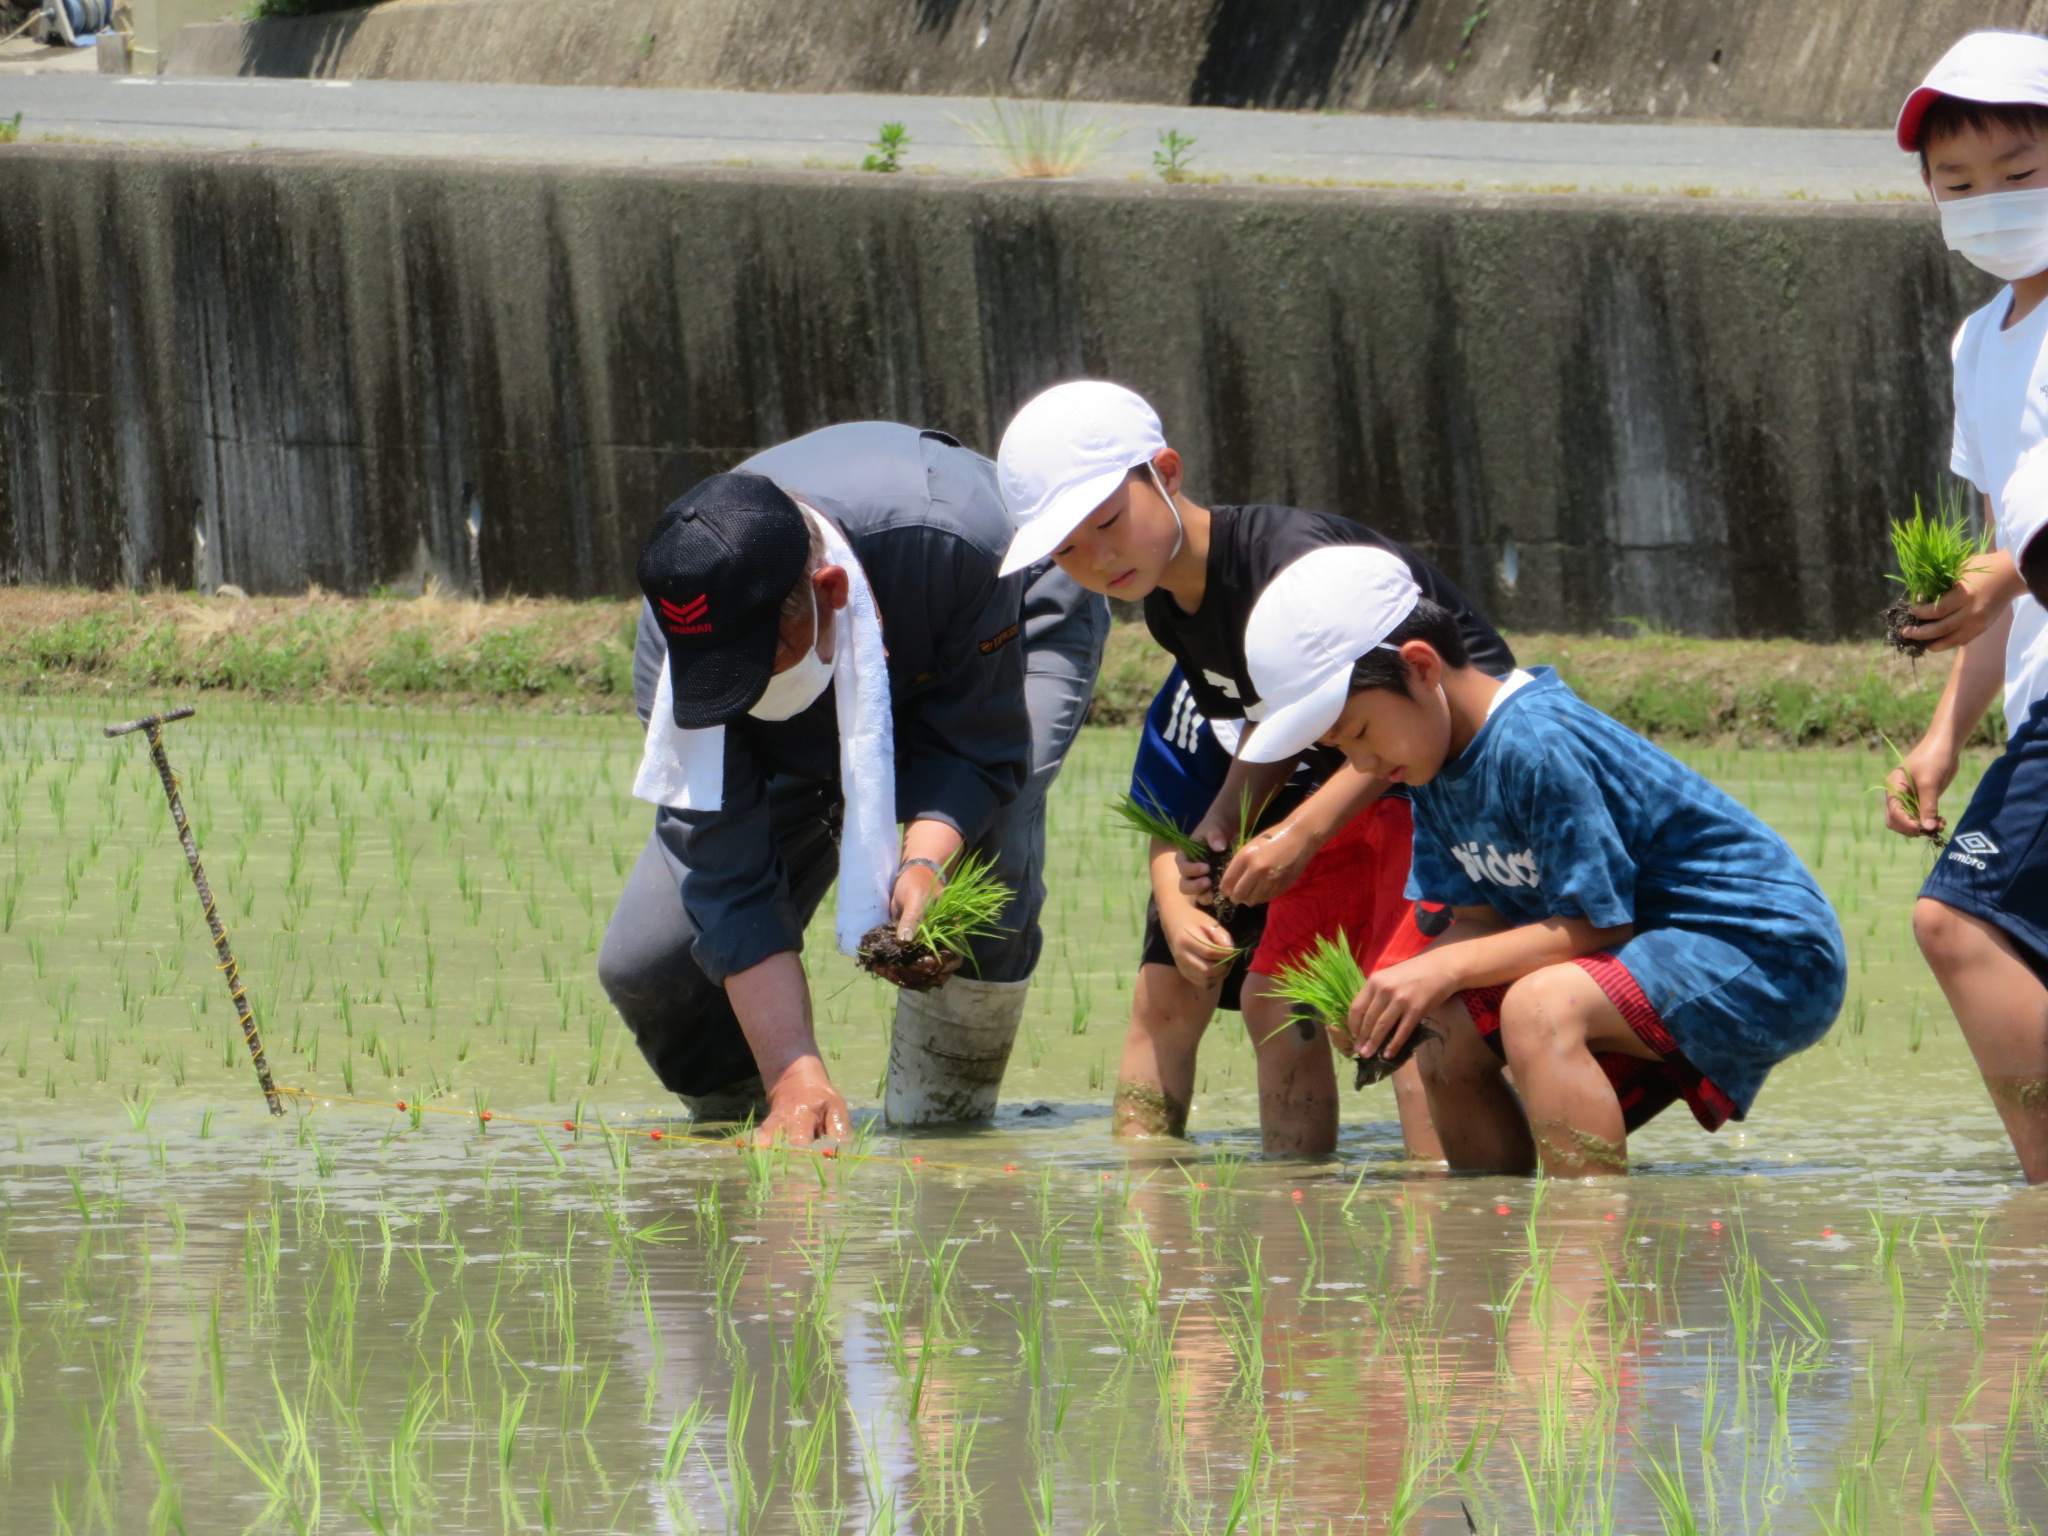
(1194, 878)
(1917, 785)
(1967, 609)
(1393, 1001)
(1266, 866)
(1202, 949)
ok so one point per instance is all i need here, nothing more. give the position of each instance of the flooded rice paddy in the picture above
(362, 1318)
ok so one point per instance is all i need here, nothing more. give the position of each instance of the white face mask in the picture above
(793, 691)
(2004, 233)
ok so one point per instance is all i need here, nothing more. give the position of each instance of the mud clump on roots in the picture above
(1224, 908)
(1896, 618)
(911, 964)
(1377, 1069)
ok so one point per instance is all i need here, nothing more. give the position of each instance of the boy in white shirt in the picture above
(1980, 127)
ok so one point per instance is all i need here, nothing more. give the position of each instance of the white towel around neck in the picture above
(685, 770)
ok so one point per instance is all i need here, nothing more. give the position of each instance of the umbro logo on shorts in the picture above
(1972, 848)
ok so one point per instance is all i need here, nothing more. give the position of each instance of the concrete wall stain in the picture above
(1817, 63)
(325, 364)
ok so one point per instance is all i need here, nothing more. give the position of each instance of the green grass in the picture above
(1042, 139)
(569, 657)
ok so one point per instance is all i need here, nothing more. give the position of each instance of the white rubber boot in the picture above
(949, 1049)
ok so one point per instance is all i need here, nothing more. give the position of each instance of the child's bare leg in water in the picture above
(1411, 1102)
(1297, 1077)
(1476, 1116)
(1553, 1023)
(1303, 1085)
(1156, 1080)
(2002, 1008)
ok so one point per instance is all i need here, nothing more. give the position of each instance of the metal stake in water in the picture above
(154, 726)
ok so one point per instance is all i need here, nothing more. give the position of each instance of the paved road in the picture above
(666, 127)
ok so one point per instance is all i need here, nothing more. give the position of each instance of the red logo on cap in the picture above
(691, 618)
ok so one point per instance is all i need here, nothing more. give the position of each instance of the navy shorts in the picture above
(1996, 864)
(1246, 928)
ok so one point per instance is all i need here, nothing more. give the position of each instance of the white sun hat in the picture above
(1065, 454)
(1996, 68)
(1309, 626)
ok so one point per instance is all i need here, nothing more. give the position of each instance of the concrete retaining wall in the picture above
(1821, 63)
(274, 368)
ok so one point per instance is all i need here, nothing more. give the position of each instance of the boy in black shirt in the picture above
(1089, 479)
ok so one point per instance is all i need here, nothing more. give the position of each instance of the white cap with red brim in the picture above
(1064, 455)
(1308, 628)
(2023, 504)
(1996, 68)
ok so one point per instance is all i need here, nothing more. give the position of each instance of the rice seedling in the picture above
(1322, 985)
(1143, 814)
(1907, 798)
(1042, 139)
(966, 907)
(476, 1313)
(1968, 1279)
(1933, 554)
(1667, 1485)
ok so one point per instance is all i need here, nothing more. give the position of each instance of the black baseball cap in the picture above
(716, 569)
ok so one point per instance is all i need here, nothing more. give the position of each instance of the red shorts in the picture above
(1645, 1088)
(1356, 883)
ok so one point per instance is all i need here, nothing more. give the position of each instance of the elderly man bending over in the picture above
(786, 744)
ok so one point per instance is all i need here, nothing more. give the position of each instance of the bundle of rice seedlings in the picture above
(1321, 985)
(1933, 554)
(969, 901)
(1142, 813)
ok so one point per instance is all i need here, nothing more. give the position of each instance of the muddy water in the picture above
(1828, 1318)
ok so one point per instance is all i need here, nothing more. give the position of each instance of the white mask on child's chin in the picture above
(1172, 506)
(794, 690)
(2003, 233)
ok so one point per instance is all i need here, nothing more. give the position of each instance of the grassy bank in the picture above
(566, 656)
(576, 657)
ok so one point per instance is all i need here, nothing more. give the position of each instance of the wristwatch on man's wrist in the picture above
(938, 873)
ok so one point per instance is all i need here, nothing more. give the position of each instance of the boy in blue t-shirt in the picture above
(1625, 934)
